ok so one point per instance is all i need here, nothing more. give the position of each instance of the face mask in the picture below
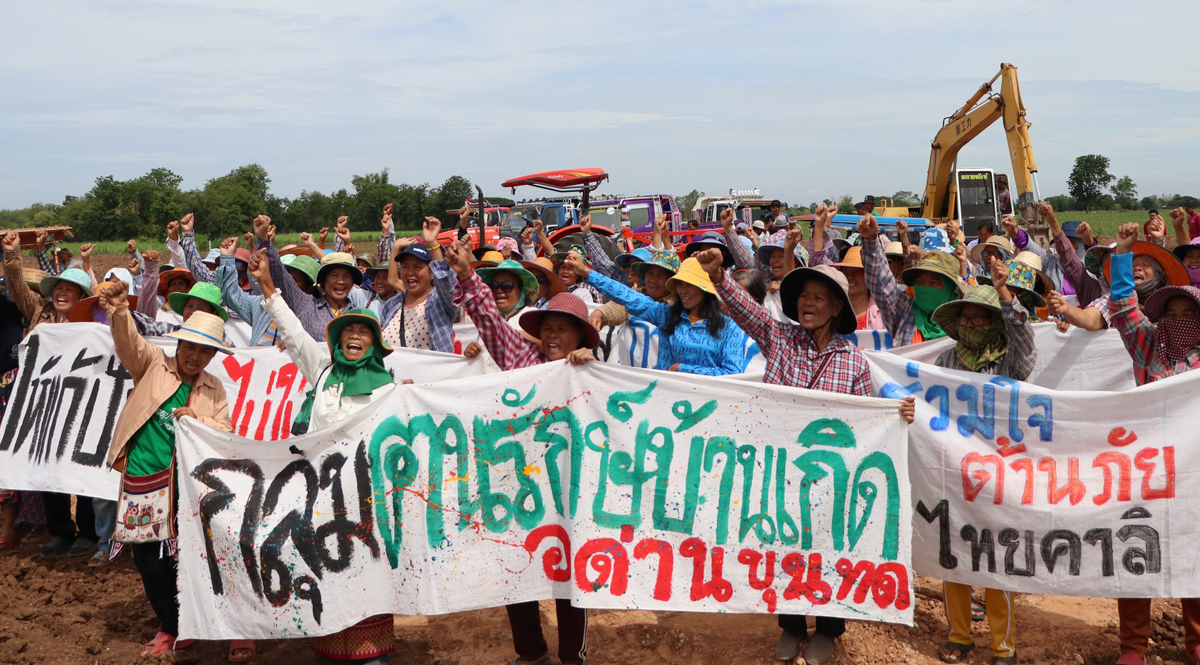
(1194, 275)
(1176, 337)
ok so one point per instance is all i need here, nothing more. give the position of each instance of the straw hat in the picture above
(1156, 304)
(545, 267)
(83, 311)
(72, 275)
(204, 329)
(793, 284)
(938, 263)
(166, 276)
(946, 315)
(33, 278)
(691, 273)
(339, 260)
(333, 329)
(851, 259)
(209, 293)
(1173, 270)
(563, 303)
(1006, 247)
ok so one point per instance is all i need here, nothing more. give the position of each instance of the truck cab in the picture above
(976, 200)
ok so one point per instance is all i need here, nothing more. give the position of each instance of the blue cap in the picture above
(212, 256)
(1071, 229)
(638, 255)
(416, 250)
(935, 239)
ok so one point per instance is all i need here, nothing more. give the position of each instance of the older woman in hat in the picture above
(1163, 339)
(337, 278)
(807, 352)
(165, 389)
(559, 331)
(775, 256)
(421, 314)
(993, 336)
(933, 281)
(346, 373)
(694, 336)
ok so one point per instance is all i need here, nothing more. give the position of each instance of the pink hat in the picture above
(508, 242)
(563, 303)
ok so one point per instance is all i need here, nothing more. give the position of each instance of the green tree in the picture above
(1088, 180)
(1148, 203)
(905, 198)
(371, 192)
(1125, 192)
(1062, 202)
(449, 196)
(228, 205)
(688, 201)
(845, 204)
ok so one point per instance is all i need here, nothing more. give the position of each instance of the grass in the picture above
(362, 240)
(1105, 222)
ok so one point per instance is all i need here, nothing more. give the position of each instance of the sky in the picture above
(803, 100)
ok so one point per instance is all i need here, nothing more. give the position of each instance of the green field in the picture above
(1105, 223)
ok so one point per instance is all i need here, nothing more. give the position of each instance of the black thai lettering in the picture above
(942, 514)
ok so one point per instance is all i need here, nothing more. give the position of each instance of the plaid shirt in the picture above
(440, 309)
(893, 300)
(1137, 332)
(508, 348)
(792, 355)
(313, 311)
(191, 256)
(600, 260)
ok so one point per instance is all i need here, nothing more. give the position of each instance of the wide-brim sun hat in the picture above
(295, 250)
(209, 293)
(72, 275)
(894, 248)
(339, 260)
(793, 284)
(1044, 284)
(1023, 276)
(1095, 258)
(851, 259)
(563, 303)
(33, 278)
(366, 258)
(554, 284)
(709, 240)
(166, 276)
(1173, 270)
(210, 259)
(203, 329)
(935, 239)
(515, 267)
(333, 329)
(667, 260)
(1156, 304)
(82, 311)
(844, 244)
(373, 272)
(984, 295)
(1181, 251)
(638, 255)
(939, 263)
(692, 273)
(305, 265)
(1006, 247)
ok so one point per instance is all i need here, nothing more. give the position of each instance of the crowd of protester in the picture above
(338, 313)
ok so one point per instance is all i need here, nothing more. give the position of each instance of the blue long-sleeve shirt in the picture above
(247, 306)
(691, 345)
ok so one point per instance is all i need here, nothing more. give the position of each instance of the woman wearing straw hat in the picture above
(934, 281)
(694, 336)
(165, 389)
(421, 314)
(807, 352)
(865, 309)
(559, 331)
(346, 373)
(1163, 339)
(993, 336)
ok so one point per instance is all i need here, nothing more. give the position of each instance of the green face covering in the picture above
(927, 300)
(981, 346)
(359, 377)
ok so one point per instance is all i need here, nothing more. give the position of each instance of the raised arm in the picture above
(599, 257)
(507, 347)
(246, 306)
(134, 352)
(743, 257)
(298, 301)
(1137, 332)
(191, 255)
(22, 296)
(1021, 355)
(750, 316)
(173, 249)
(1087, 288)
(889, 296)
(310, 356)
(638, 304)
(387, 235)
(148, 301)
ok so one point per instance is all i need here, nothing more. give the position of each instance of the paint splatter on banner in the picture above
(613, 487)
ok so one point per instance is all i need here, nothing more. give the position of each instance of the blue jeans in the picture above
(106, 522)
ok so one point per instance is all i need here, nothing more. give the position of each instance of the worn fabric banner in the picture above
(1019, 487)
(70, 388)
(610, 486)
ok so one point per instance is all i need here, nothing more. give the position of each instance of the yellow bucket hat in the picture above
(691, 272)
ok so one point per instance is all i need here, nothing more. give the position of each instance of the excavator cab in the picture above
(977, 201)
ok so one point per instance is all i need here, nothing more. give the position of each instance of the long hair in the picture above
(709, 310)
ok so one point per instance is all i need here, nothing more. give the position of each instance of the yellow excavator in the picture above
(975, 195)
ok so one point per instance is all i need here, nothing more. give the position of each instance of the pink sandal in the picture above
(162, 643)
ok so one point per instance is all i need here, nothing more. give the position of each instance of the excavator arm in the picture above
(981, 110)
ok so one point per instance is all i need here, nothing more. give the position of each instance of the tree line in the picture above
(141, 207)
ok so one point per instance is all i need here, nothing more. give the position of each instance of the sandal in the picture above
(951, 648)
(6, 545)
(978, 610)
(544, 660)
(1000, 660)
(163, 643)
(244, 646)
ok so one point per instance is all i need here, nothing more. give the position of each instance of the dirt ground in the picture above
(59, 612)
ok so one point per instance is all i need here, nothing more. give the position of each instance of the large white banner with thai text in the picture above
(613, 487)
(70, 388)
(1019, 487)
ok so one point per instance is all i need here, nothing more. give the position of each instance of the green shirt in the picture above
(153, 446)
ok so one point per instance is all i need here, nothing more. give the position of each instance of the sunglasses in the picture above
(506, 286)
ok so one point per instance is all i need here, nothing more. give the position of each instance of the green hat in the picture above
(333, 331)
(946, 315)
(937, 262)
(73, 275)
(306, 265)
(209, 293)
(368, 258)
(527, 278)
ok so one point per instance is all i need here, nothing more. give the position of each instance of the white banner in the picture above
(70, 389)
(613, 487)
(1019, 487)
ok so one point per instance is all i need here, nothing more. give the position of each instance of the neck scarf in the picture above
(1194, 275)
(926, 300)
(359, 377)
(979, 347)
(1175, 338)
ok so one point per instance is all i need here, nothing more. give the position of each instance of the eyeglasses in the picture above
(506, 286)
(975, 320)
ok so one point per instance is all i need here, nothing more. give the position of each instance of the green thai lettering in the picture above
(689, 419)
(391, 473)
(827, 432)
(575, 444)
(495, 446)
(618, 403)
(810, 463)
(867, 491)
